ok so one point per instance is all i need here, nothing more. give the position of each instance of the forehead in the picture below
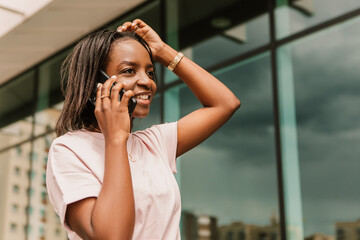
(129, 50)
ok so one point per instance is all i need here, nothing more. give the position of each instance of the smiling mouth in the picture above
(143, 96)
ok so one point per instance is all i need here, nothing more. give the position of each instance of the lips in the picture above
(143, 97)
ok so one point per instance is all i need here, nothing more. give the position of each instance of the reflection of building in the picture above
(347, 230)
(319, 236)
(189, 225)
(207, 228)
(243, 231)
(202, 227)
(24, 206)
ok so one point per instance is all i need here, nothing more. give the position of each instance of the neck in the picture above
(92, 128)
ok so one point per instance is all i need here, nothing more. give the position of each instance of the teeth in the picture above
(145, 97)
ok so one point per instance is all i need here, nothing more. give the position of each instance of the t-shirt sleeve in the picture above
(166, 135)
(68, 179)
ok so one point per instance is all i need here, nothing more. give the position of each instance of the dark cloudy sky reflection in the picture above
(328, 118)
(232, 175)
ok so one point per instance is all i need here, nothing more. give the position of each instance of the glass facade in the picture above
(285, 165)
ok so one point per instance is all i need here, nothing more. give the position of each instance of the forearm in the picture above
(114, 212)
(209, 90)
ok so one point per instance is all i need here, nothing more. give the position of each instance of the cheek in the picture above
(153, 87)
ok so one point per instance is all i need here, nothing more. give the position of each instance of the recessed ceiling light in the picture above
(221, 22)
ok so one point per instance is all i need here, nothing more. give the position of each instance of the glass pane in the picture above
(45, 120)
(232, 42)
(17, 99)
(16, 132)
(229, 182)
(228, 17)
(327, 87)
(43, 219)
(49, 91)
(298, 15)
(150, 14)
(15, 164)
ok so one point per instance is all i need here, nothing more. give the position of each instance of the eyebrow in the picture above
(133, 64)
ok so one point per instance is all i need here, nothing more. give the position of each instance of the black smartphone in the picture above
(101, 78)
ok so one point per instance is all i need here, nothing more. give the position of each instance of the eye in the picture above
(128, 71)
(151, 74)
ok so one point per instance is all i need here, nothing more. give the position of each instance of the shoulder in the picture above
(76, 140)
(157, 131)
(160, 139)
(74, 147)
(74, 136)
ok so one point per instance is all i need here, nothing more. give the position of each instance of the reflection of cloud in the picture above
(323, 10)
(251, 127)
(333, 77)
(233, 173)
(212, 183)
(327, 103)
(322, 215)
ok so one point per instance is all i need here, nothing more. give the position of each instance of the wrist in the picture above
(166, 55)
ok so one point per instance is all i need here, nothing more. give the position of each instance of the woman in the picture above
(104, 181)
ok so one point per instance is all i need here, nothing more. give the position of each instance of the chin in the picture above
(140, 114)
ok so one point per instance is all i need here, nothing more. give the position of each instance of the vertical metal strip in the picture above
(287, 127)
(271, 6)
(163, 26)
(172, 96)
(31, 154)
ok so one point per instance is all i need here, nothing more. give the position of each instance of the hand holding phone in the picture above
(101, 78)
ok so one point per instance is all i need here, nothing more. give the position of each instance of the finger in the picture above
(125, 99)
(98, 95)
(105, 89)
(139, 23)
(115, 92)
(125, 27)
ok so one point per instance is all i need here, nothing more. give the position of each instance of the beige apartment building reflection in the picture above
(205, 227)
(25, 211)
(348, 230)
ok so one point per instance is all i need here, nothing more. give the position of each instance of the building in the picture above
(23, 181)
(207, 228)
(292, 63)
(202, 227)
(319, 236)
(243, 231)
(347, 230)
(189, 225)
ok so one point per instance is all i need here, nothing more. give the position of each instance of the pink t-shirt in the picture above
(75, 171)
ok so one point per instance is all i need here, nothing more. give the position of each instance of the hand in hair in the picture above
(148, 34)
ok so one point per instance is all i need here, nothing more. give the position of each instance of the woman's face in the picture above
(131, 63)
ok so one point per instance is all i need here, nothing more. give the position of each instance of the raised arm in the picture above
(219, 103)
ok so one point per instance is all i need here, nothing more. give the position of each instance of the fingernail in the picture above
(123, 27)
(113, 76)
(124, 83)
(98, 85)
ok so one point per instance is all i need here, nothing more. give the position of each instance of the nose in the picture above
(144, 80)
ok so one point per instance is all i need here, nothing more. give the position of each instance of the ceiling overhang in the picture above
(52, 28)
